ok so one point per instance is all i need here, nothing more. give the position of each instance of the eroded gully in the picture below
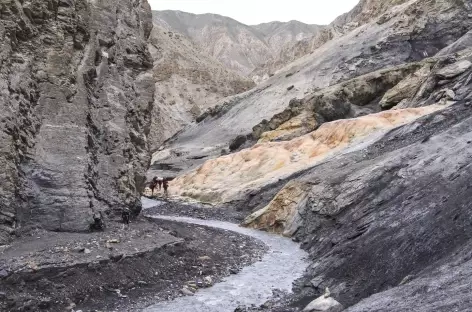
(280, 266)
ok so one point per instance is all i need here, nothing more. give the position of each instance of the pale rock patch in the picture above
(226, 178)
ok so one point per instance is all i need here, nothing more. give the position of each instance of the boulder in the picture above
(325, 304)
(296, 126)
(406, 88)
(450, 94)
(454, 70)
(237, 142)
(279, 216)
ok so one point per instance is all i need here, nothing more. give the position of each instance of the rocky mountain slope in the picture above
(188, 82)
(364, 12)
(360, 151)
(403, 197)
(240, 47)
(76, 94)
(404, 34)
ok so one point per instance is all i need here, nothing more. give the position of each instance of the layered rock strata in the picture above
(76, 93)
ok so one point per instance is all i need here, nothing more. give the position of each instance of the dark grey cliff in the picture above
(75, 98)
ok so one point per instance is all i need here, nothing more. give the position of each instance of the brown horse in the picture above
(165, 184)
(153, 185)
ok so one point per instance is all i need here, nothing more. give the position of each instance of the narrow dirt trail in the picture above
(283, 263)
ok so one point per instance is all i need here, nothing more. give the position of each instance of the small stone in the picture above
(70, 307)
(450, 94)
(142, 283)
(442, 83)
(234, 270)
(3, 273)
(80, 249)
(186, 292)
(121, 295)
(208, 280)
(204, 258)
(45, 303)
(87, 251)
(290, 88)
(406, 279)
(113, 241)
(115, 258)
(3, 295)
(316, 282)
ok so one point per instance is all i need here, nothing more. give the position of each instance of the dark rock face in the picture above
(397, 209)
(388, 224)
(76, 97)
(237, 142)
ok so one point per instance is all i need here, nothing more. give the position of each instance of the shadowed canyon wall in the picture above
(76, 94)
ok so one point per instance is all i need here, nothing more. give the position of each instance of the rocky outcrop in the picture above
(76, 95)
(407, 88)
(231, 177)
(296, 126)
(352, 98)
(324, 303)
(240, 47)
(430, 91)
(403, 196)
(384, 202)
(188, 82)
(282, 211)
(364, 12)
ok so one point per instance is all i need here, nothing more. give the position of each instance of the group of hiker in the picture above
(156, 183)
(98, 223)
(159, 183)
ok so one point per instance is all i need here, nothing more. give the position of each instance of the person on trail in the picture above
(153, 185)
(125, 216)
(165, 184)
(159, 182)
(98, 224)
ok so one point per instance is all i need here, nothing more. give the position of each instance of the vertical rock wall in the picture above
(76, 94)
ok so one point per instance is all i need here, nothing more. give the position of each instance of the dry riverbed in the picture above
(119, 269)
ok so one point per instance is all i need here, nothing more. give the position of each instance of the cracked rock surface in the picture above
(76, 95)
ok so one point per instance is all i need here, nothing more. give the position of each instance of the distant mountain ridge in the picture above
(242, 48)
(188, 82)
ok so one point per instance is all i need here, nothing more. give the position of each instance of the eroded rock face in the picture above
(303, 123)
(282, 212)
(424, 88)
(228, 178)
(383, 209)
(188, 82)
(76, 96)
(388, 224)
(407, 88)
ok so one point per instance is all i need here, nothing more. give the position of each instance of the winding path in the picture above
(283, 263)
